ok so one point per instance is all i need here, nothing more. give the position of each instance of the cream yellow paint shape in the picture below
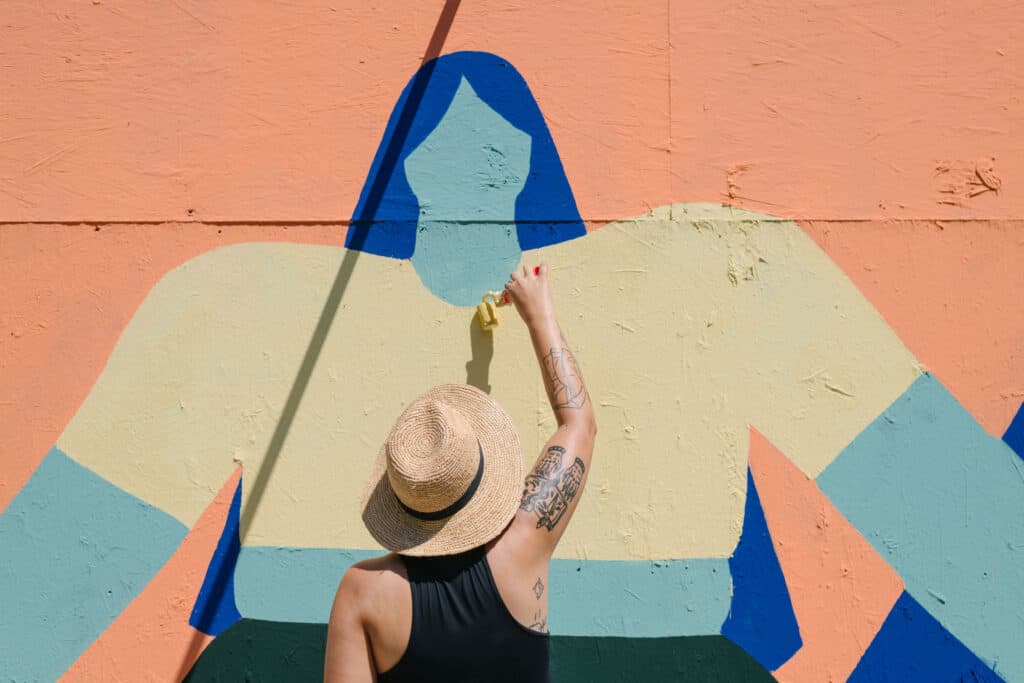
(691, 323)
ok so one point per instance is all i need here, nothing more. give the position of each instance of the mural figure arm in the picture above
(552, 488)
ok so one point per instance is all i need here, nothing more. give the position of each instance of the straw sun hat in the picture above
(448, 478)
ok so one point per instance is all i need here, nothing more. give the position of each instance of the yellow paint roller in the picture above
(487, 309)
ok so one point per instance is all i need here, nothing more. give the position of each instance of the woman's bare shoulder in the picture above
(367, 584)
(377, 575)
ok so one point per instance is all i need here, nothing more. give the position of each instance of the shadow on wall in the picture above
(478, 368)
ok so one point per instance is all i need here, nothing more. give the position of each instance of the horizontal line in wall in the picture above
(297, 223)
(586, 221)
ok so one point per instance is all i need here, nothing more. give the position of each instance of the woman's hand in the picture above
(529, 292)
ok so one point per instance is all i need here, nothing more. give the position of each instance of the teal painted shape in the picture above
(460, 262)
(76, 550)
(588, 597)
(639, 598)
(943, 502)
(466, 176)
(291, 584)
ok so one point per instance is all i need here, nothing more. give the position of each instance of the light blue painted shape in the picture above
(75, 550)
(466, 176)
(639, 598)
(943, 502)
(460, 262)
(588, 597)
(291, 584)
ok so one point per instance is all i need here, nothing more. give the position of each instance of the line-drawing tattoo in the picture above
(538, 588)
(567, 388)
(540, 622)
(550, 488)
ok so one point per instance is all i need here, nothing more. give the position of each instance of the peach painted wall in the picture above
(136, 138)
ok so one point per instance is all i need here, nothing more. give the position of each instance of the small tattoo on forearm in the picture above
(567, 390)
(550, 487)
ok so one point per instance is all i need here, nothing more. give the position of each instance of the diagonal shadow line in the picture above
(374, 198)
(327, 315)
(361, 224)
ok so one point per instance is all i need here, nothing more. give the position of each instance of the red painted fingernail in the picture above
(536, 270)
(507, 299)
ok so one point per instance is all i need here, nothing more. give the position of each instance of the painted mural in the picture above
(811, 463)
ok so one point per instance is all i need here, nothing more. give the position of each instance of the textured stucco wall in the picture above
(786, 240)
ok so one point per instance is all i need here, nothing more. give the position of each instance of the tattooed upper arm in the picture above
(552, 486)
(552, 489)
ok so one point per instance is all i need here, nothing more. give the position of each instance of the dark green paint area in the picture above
(625, 660)
(272, 651)
(255, 650)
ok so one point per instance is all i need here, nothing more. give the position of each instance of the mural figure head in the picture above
(466, 177)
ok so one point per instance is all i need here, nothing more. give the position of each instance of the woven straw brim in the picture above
(486, 514)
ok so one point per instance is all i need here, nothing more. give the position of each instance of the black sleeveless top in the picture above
(461, 629)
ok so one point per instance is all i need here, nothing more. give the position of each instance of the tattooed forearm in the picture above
(551, 487)
(564, 379)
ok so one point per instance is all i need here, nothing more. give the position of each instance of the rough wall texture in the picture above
(786, 238)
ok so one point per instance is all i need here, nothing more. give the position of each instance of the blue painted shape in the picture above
(215, 608)
(75, 551)
(761, 619)
(913, 646)
(636, 598)
(387, 214)
(1014, 436)
(943, 502)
